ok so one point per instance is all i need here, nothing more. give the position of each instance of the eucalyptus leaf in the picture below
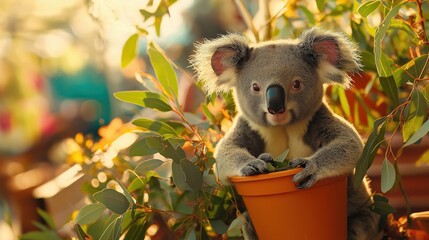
(89, 213)
(148, 165)
(163, 69)
(81, 235)
(142, 148)
(368, 7)
(370, 149)
(411, 70)
(126, 193)
(282, 157)
(145, 99)
(416, 112)
(190, 234)
(155, 126)
(344, 102)
(388, 175)
(129, 50)
(389, 87)
(179, 178)
(420, 133)
(382, 208)
(136, 184)
(47, 218)
(40, 235)
(113, 230)
(113, 200)
(193, 175)
(218, 226)
(381, 61)
(138, 228)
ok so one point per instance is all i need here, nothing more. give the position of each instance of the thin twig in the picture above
(247, 18)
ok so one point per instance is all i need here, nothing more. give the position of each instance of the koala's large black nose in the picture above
(276, 99)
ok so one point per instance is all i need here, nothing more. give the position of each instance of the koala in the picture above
(278, 89)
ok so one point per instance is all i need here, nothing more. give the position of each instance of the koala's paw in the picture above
(307, 177)
(266, 157)
(257, 166)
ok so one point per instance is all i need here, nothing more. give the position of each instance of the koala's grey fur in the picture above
(324, 144)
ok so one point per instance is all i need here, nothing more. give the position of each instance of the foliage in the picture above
(159, 171)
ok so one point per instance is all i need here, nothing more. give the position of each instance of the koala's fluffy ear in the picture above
(334, 55)
(217, 61)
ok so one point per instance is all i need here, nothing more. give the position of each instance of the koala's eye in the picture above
(296, 85)
(256, 87)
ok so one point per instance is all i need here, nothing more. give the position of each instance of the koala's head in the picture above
(276, 82)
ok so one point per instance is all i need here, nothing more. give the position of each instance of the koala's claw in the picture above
(254, 167)
(307, 177)
(266, 157)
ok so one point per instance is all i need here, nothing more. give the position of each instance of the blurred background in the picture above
(60, 63)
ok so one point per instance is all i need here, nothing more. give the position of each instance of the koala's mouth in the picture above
(279, 118)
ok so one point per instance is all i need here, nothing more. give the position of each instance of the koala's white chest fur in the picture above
(279, 138)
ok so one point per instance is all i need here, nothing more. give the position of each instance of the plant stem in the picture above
(264, 6)
(247, 18)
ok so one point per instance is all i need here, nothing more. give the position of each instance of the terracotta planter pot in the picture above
(281, 211)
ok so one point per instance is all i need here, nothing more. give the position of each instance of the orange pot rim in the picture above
(266, 176)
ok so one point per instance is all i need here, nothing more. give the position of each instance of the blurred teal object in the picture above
(83, 95)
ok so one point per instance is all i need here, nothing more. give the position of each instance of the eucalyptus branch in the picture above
(247, 18)
(266, 28)
(422, 33)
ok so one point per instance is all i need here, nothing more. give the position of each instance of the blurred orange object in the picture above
(421, 219)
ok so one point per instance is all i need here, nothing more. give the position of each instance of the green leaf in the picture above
(381, 61)
(218, 226)
(169, 151)
(388, 176)
(321, 5)
(411, 70)
(382, 208)
(142, 148)
(282, 156)
(370, 149)
(152, 145)
(416, 113)
(368, 61)
(129, 50)
(136, 184)
(163, 69)
(81, 235)
(190, 234)
(90, 213)
(236, 224)
(208, 114)
(270, 167)
(40, 235)
(193, 175)
(113, 200)
(420, 133)
(344, 102)
(389, 87)
(113, 230)
(126, 193)
(179, 178)
(138, 228)
(155, 126)
(145, 99)
(309, 16)
(148, 165)
(368, 7)
(47, 218)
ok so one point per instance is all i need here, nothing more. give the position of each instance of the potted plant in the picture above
(272, 201)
